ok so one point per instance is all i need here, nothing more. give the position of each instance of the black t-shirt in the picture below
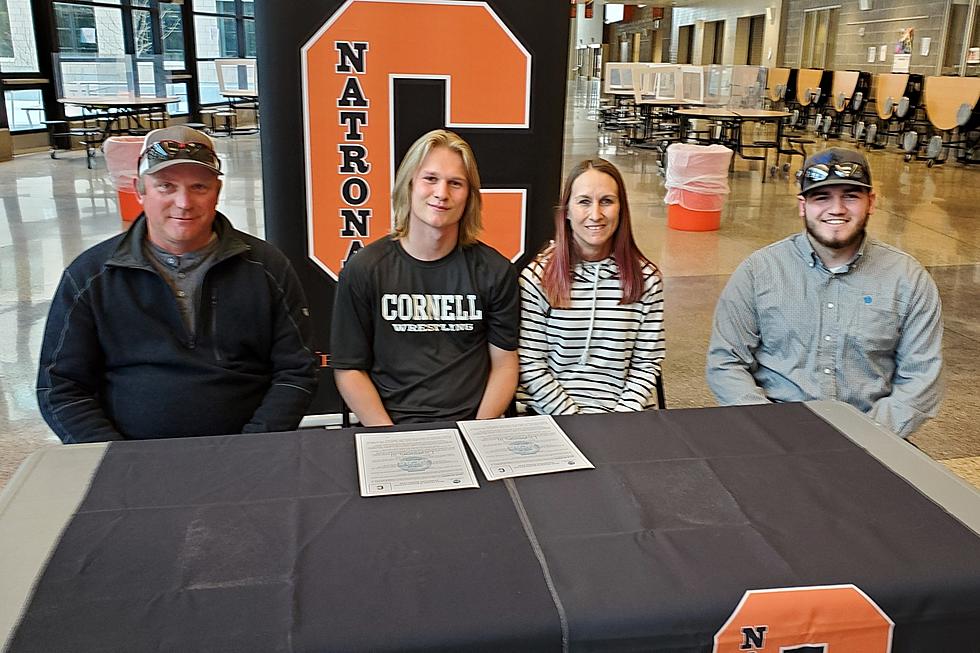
(421, 328)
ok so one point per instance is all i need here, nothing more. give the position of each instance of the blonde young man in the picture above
(182, 325)
(831, 313)
(425, 325)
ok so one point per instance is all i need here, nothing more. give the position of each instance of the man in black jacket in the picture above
(183, 325)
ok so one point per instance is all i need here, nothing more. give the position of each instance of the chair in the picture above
(661, 394)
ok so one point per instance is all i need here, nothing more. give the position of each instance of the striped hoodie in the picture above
(597, 355)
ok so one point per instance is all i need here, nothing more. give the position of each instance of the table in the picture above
(733, 119)
(261, 542)
(120, 106)
(247, 98)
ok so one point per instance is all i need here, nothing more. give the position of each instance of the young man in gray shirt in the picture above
(831, 313)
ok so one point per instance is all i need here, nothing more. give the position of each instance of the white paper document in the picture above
(412, 461)
(521, 446)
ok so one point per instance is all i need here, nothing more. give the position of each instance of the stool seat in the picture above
(58, 136)
(230, 118)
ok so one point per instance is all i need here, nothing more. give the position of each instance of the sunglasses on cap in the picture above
(822, 171)
(176, 151)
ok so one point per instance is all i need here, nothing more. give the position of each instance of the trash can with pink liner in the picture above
(697, 183)
(121, 156)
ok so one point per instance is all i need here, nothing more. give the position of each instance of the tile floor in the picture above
(52, 210)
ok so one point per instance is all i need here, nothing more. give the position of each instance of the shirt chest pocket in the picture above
(876, 324)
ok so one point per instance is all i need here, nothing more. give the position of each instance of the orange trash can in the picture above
(697, 183)
(121, 157)
(695, 211)
(129, 205)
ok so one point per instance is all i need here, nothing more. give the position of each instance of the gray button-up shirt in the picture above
(870, 334)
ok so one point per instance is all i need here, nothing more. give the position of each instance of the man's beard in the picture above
(855, 238)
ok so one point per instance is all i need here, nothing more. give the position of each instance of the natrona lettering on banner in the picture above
(349, 70)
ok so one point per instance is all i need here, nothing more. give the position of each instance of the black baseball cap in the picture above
(836, 166)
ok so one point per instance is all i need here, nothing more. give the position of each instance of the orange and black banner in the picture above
(368, 81)
(588, 8)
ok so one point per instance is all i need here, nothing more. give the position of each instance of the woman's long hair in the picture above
(557, 274)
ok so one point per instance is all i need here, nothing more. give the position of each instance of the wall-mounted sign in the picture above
(901, 63)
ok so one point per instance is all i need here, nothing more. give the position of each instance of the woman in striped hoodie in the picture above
(592, 306)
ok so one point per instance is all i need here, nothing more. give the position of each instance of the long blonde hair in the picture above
(401, 197)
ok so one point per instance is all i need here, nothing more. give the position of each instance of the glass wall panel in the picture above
(179, 91)
(171, 28)
(76, 29)
(142, 33)
(25, 109)
(216, 37)
(249, 38)
(215, 6)
(86, 31)
(224, 29)
(18, 51)
(207, 81)
(146, 75)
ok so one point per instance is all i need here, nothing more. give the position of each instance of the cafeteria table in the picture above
(732, 120)
(783, 527)
(119, 107)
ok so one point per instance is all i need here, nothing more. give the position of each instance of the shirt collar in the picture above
(813, 260)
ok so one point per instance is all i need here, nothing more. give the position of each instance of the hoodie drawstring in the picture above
(584, 358)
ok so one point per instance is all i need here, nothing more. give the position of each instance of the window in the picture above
(142, 33)
(6, 39)
(172, 35)
(18, 49)
(110, 47)
(76, 29)
(216, 37)
(249, 38)
(224, 29)
(25, 109)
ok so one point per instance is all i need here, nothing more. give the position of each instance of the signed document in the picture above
(412, 461)
(521, 446)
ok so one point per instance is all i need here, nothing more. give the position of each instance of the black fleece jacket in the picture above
(117, 362)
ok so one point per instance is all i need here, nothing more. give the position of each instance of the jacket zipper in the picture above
(214, 323)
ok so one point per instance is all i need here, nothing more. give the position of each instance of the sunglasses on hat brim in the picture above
(823, 171)
(163, 151)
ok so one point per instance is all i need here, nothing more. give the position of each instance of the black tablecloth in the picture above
(262, 543)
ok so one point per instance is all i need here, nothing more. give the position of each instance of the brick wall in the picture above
(851, 49)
